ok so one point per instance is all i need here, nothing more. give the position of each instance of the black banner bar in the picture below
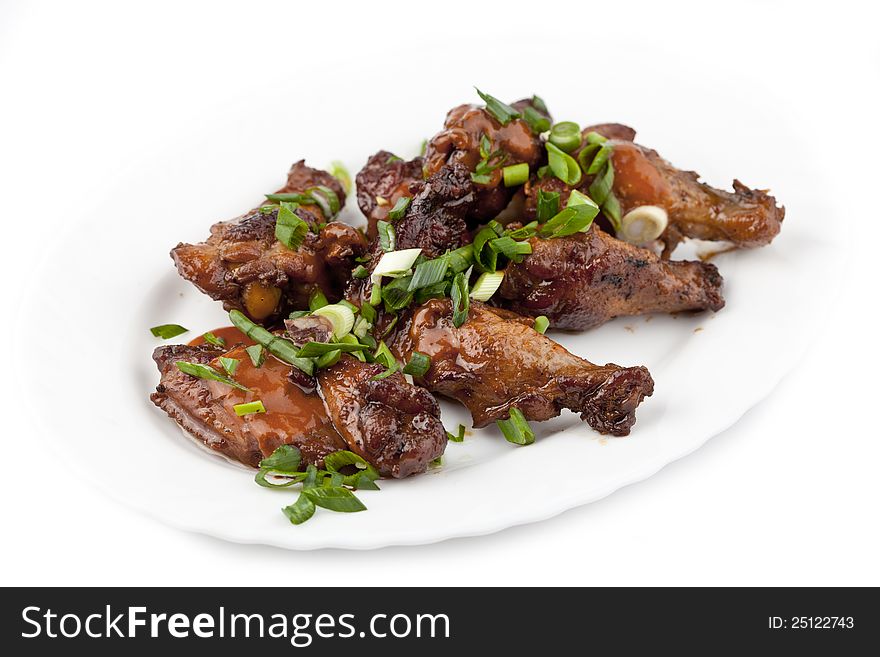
(434, 621)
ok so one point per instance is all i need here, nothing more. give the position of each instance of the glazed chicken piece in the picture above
(459, 141)
(243, 265)
(583, 280)
(496, 360)
(745, 217)
(390, 423)
(383, 181)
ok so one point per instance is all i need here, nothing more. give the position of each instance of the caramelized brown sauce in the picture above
(636, 179)
(290, 413)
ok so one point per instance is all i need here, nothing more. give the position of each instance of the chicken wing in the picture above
(390, 423)
(496, 360)
(384, 180)
(583, 280)
(243, 265)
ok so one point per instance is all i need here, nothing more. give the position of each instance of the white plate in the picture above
(109, 279)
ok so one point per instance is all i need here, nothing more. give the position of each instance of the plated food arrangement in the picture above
(508, 225)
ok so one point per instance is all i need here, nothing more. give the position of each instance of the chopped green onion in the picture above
(285, 458)
(542, 323)
(387, 238)
(486, 259)
(424, 147)
(436, 291)
(314, 349)
(335, 498)
(539, 104)
(548, 205)
(399, 208)
(601, 186)
(257, 354)
(510, 248)
(418, 364)
(361, 326)
(210, 338)
(301, 510)
(397, 294)
(429, 273)
(395, 263)
(205, 372)
(299, 313)
(457, 437)
(578, 198)
(537, 121)
(376, 293)
(360, 272)
(329, 359)
(643, 224)
(525, 232)
(168, 331)
(602, 157)
(362, 478)
(317, 299)
(338, 171)
(501, 111)
(595, 138)
(611, 209)
(279, 347)
(327, 199)
(516, 429)
(515, 174)
(460, 298)
(487, 284)
(384, 375)
(290, 230)
(339, 315)
(368, 312)
(384, 356)
(348, 304)
(571, 220)
(461, 258)
(563, 165)
(289, 197)
(229, 364)
(249, 408)
(566, 135)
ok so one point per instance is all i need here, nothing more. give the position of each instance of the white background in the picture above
(789, 495)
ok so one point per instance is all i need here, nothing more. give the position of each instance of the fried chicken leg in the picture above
(586, 279)
(243, 265)
(390, 423)
(496, 360)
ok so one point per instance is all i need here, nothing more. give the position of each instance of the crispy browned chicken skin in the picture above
(496, 360)
(392, 424)
(586, 279)
(745, 217)
(383, 181)
(459, 141)
(243, 265)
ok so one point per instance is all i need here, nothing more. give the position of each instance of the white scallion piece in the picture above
(340, 316)
(486, 285)
(395, 263)
(643, 225)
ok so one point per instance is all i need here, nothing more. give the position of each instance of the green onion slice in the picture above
(458, 436)
(229, 364)
(387, 238)
(501, 111)
(335, 498)
(487, 284)
(290, 230)
(285, 458)
(329, 359)
(516, 429)
(168, 331)
(399, 208)
(395, 263)
(249, 408)
(537, 121)
(515, 174)
(210, 338)
(257, 354)
(301, 510)
(460, 302)
(574, 218)
(317, 299)
(360, 272)
(338, 171)
(429, 273)
(542, 323)
(601, 186)
(339, 315)
(563, 165)
(566, 135)
(205, 372)
(279, 347)
(548, 205)
(418, 364)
